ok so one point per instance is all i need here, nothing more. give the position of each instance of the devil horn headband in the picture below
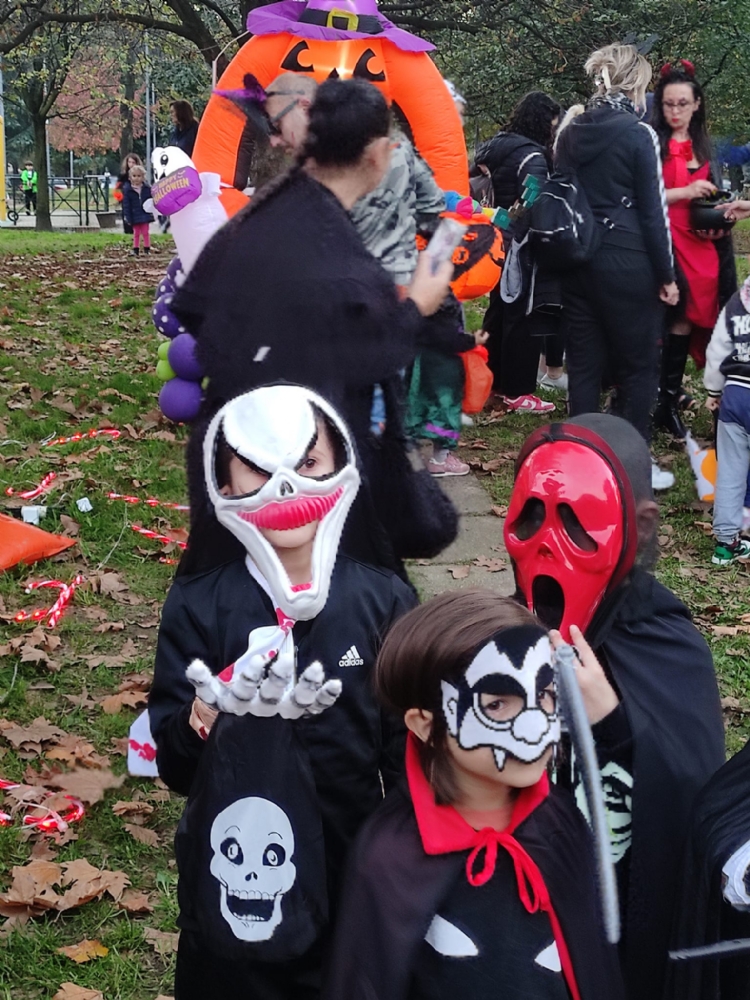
(683, 64)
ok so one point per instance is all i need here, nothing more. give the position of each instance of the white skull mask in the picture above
(253, 844)
(274, 428)
(518, 663)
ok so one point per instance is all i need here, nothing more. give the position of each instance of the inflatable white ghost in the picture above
(191, 200)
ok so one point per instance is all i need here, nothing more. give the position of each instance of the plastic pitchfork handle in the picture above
(574, 713)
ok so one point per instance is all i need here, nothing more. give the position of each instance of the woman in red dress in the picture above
(705, 261)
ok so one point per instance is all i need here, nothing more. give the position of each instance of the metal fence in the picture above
(77, 197)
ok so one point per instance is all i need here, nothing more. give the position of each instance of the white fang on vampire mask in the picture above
(516, 662)
(273, 429)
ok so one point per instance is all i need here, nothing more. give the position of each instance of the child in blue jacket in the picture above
(136, 208)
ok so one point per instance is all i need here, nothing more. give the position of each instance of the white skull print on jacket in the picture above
(253, 844)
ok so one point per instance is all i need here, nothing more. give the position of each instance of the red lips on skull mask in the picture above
(571, 527)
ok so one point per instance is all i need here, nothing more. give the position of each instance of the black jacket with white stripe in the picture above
(208, 616)
(510, 158)
(617, 161)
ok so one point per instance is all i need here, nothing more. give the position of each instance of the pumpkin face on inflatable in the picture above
(342, 39)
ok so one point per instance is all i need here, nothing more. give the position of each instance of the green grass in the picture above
(75, 329)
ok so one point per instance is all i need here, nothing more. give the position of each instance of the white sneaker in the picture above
(560, 383)
(660, 478)
(466, 420)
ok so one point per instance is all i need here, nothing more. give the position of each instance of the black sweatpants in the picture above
(613, 322)
(201, 975)
(513, 352)
(29, 198)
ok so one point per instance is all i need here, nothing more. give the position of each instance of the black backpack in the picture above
(562, 229)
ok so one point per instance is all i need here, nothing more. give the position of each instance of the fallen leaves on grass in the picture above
(127, 654)
(69, 991)
(32, 738)
(84, 951)
(135, 902)
(133, 692)
(161, 941)
(143, 835)
(33, 893)
(132, 809)
(85, 784)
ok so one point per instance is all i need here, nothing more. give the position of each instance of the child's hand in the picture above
(202, 717)
(481, 337)
(713, 403)
(598, 694)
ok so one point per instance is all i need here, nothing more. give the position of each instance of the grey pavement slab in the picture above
(480, 535)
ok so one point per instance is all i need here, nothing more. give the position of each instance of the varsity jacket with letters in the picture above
(728, 352)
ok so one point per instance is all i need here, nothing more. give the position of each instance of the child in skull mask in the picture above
(476, 879)
(261, 707)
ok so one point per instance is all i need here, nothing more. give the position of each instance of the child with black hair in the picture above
(476, 878)
(262, 707)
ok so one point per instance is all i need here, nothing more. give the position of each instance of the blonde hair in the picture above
(620, 68)
(573, 112)
(136, 170)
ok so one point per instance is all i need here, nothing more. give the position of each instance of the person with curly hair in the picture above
(705, 261)
(520, 150)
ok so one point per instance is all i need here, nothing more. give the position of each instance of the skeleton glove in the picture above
(263, 684)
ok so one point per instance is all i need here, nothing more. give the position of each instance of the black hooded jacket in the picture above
(510, 158)
(617, 162)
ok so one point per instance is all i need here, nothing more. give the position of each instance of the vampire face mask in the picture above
(497, 703)
(273, 430)
(571, 527)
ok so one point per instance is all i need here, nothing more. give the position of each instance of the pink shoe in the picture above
(528, 404)
(452, 466)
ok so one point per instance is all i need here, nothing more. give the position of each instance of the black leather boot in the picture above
(673, 360)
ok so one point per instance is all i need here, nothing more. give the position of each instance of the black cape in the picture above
(721, 824)
(664, 673)
(394, 889)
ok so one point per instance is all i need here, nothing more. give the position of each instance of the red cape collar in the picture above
(444, 831)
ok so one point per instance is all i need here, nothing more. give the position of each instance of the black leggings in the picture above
(613, 323)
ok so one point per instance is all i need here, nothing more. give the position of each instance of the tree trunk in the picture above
(43, 218)
(126, 114)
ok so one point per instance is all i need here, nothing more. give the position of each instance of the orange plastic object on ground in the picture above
(23, 543)
(409, 80)
(478, 384)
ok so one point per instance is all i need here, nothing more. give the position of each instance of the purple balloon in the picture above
(180, 400)
(165, 287)
(182, 358)
(164, 319)
(175, 266)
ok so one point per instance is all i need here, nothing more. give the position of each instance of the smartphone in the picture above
(445, 239)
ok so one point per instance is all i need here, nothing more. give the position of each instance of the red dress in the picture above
(697, 257)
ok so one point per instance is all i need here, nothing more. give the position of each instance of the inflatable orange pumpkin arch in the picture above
(334, 38)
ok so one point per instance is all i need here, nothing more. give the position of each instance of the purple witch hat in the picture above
(332, 21)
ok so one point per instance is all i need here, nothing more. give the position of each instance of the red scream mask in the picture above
(571, 525)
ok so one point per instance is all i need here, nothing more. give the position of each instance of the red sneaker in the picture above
(452, 466)
(528, 404)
